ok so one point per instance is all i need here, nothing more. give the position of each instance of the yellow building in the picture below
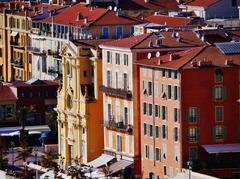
(15, 30)
(79, 105)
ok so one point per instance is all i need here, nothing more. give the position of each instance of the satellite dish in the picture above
(149, 55)
(115, 8)
(158, 54)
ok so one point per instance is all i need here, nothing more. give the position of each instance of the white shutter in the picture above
(127, 144)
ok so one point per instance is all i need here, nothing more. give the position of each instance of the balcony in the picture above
(55, 54)
(16, 45)
(118, 126)
(120, 93)
(36, 51)
(54, 72)
(17, 63)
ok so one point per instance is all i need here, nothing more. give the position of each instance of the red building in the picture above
(38, 95)
(195, 114)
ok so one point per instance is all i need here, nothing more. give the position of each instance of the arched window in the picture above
(69, 101)
(68, 69)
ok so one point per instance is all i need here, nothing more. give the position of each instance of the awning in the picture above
(222, 148)
(100, 161)
(13, 33)
(37, 167)
(119, 165)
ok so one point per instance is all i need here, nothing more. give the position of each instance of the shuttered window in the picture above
(219, 113)
(219, 92)
(193, 114)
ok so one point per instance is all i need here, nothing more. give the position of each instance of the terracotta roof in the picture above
(201, 3)
(6, 93)
(96, 16)
(169, 21)
(215, 57)
(154, 5)
(188, 39)
(178, 59)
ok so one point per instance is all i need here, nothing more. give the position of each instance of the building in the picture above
(79, 108)
(7, 106)
(40, 96)
(120, 88)
(211, 9)
(188, 113)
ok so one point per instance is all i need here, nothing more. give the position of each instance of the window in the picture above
(164, 131)
(125, 56)
(144, 108)
(150, 110)
(176, 114)
(156, 110)
(44, 64)
(125, 81)
(157, 132)
(169, 73)
(126, 115)
(108, 57)
(68, 69)
(175, 75)
(165, 170)
(145, 128)
(150, 130)
(176, 93)
(84, 73)
(150, 88)
(109, 112)
(157, 154)
(163, 72)
(105, 32)
(193, 114)
(164, 112)
(131, 30)
(109, 79)
(119, 143)
(219, 132)
(193, 134)
(169, 91)
(218, 75)
(146, 151)
(219, 92)
(219, 113)
(119, 32)
(176, 134)
(117, 55)
(193, 153)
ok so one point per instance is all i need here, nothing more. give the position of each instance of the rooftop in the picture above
(201, 3)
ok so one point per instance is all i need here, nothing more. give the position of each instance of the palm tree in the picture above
(21, 116)
(48, 159)
(24, 153)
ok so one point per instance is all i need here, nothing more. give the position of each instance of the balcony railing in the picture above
(36, 50)
(54, 72)
(17, 63)
(120, 93)
(16, 44)
(118, 126)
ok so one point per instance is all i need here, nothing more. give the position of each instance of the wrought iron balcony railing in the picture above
(120, 93)
(17, 63)
(118, 126)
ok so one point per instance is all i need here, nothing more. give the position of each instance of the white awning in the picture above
(119, 165)
(100, 161)
(37, 167)
(222, 148)
(13, 33)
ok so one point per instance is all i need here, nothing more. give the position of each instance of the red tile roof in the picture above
(179, 59)
(201, 3)
(169, 21)
(96, 16)
(154, 5)
(6, 93)
(188, 39)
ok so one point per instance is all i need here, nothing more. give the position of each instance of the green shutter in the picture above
(213, 93)
(238, 132)
(225, 132)
(224, 92)
(198, 114)
(187, 134)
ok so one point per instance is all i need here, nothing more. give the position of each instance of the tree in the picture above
(21, 116)
(52, 121)
(3, 154)
(48, 159)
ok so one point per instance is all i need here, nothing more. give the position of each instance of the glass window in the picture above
(176, 134)
(108, 57)
(125, 81)
(119, 32)
(164, 112)
(157, 131)
(219, 113)
(220, 132)
(145, 108)
(119, 143)
(125, 59)
(176, 114)
(193, 134)
(150, 88)
(156, 111)
(150, 110)
(157, 154)
(105, 32)
(219, 92)
(145, 128)
(146, 151)
(164, 131)
(150, 130)
(193, 153)
(218, 75)
(109, 79)
(117, 55)
(193, 114)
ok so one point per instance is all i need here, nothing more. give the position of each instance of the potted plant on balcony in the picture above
(120, 124)
(129, 128)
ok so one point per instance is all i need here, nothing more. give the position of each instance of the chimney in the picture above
(229, 62)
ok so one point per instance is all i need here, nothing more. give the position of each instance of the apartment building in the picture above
(188, 113)
(79, 108)
(120, 88)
